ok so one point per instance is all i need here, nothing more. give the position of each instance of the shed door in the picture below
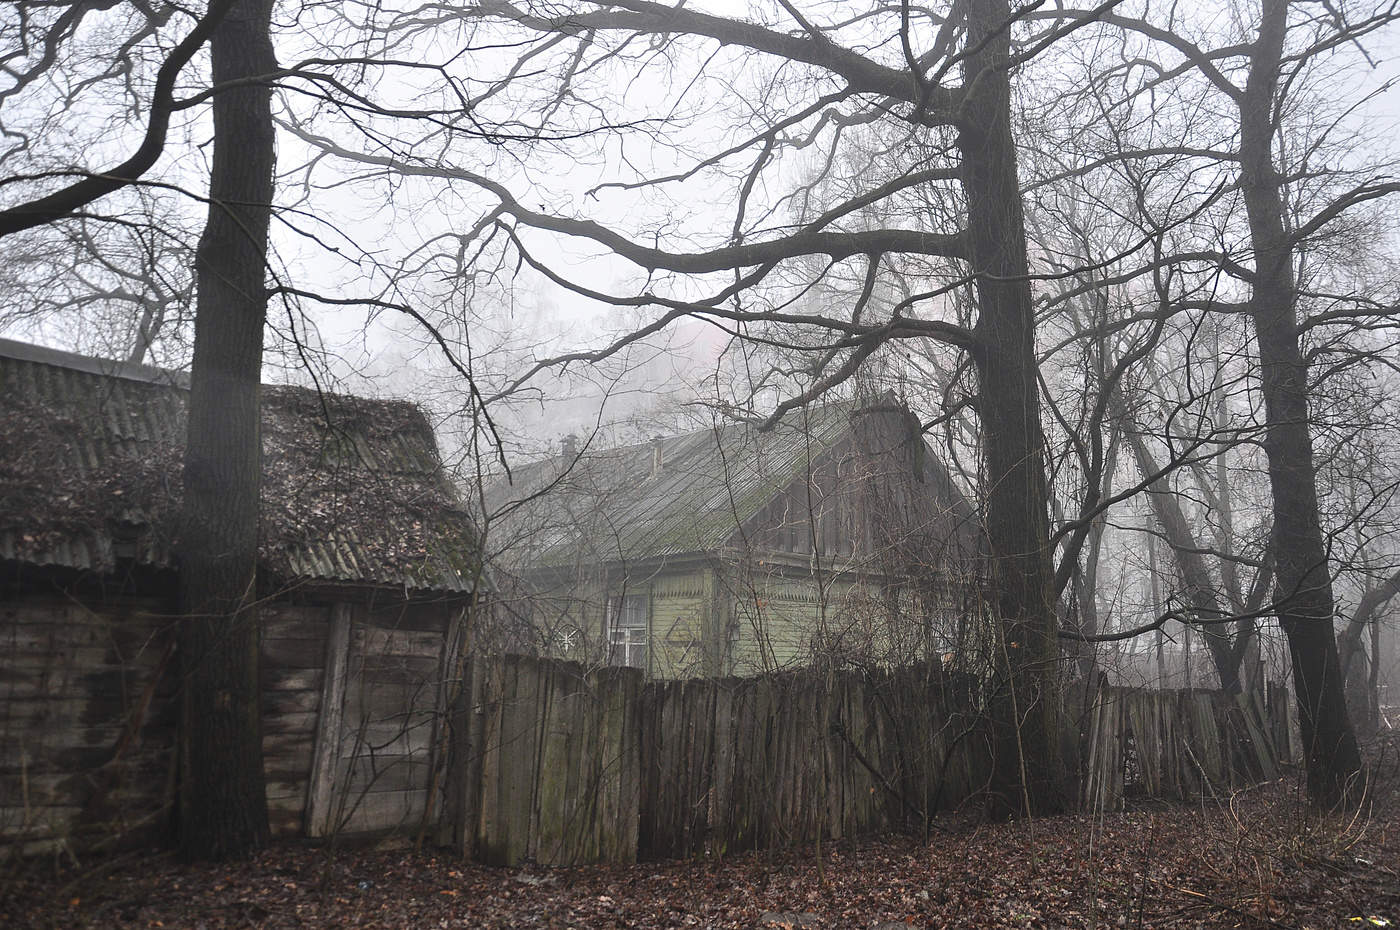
(380, 747)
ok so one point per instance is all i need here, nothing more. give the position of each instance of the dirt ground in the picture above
(1256, 859)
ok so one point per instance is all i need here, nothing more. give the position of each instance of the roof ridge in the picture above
(749, 424)
(36, 354)
(107, 367)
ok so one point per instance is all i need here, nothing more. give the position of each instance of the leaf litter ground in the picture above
(1255, 859)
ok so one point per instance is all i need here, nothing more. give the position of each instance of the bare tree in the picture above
(223, 802)
(121, 289)
(1258, 79)
(820, 85)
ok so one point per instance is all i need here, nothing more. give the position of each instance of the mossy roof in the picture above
(90, 461)
(675, 495)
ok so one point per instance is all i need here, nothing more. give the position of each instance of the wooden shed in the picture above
(368, 568)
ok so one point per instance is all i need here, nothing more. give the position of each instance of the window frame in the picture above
(628, 631)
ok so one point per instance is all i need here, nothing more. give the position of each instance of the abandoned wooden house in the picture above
(836, 535)
(367, 570)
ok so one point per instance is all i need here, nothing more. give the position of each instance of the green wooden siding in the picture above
(717, 618)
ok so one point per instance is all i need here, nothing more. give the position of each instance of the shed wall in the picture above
(89, 710)
(86, 720)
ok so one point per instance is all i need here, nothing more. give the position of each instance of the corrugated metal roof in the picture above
(688, 493)
(90, 457)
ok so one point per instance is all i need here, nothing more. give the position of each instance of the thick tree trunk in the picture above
(1029, 775)
(1304, 587)
(223, 805)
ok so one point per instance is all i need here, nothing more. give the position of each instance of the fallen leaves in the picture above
(1261, 865)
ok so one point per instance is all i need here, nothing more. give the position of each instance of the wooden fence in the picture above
(561, 766)
(734, 764)
(1181, 743)
(547, 760)
(543, 763)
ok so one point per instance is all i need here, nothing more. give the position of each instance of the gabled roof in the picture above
(675, 495)
(90, 464)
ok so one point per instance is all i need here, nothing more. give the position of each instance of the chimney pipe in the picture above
(656, 459)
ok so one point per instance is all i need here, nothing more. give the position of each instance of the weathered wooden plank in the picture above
(295, 623)
(561, 693)
(371, 641)
(290, 803)
(294, 653)
(32, 822)
(391, 773)
(40, 716)
(274, 679)
(385, 810)
(649, 776)
(389, 737)
(524, 713)
(303, 723)
(291, 758)
(394, 670)
(1256, 718)
(281, 789)
(329, 720)
(1204, 741)
(422, 618)
(624, 704)
(69, 640)
(32, 611)
(722, 768)
(278, 703)
(493, 749)
(1280, 708)
(463, 782)
(447, 682)
(285, 822)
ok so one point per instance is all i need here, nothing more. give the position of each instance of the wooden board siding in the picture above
(779, 619)
(737, 614)
(292, 671)
(89, 729)
(678, 625)
(86, 722)
(88, 714)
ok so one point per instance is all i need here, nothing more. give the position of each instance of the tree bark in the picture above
(223, 804)
(1029, 775)
(1304, 587)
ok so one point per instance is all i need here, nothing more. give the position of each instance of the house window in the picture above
(627, 630)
